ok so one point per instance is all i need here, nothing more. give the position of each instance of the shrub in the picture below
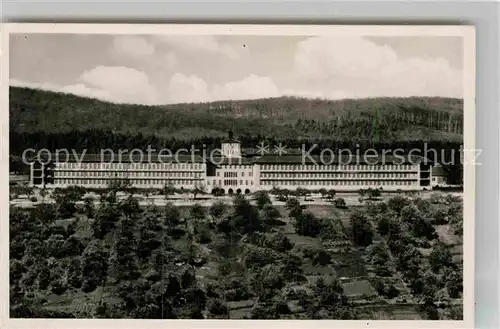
(217, 307)
(340, 203)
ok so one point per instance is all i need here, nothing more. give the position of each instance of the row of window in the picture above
(128, 174)
(161, 182)
(237, 166)
(230, 182)
(337, 167)
(338, 175)
(338, 183)
(235, 174)
(99, 165)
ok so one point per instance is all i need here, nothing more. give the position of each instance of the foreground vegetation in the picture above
(394, 259)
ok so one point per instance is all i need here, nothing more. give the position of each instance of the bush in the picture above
(217, 307)
(340, 203)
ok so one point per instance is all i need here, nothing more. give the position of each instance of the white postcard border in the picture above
(469, 51)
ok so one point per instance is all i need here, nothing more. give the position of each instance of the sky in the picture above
(166, 69)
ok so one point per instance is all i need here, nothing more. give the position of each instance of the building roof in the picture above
(221, 160)
(125, 158)
(438, 170)
(230, 140)
(343, 160)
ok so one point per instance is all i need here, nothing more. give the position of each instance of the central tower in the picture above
(231, 147)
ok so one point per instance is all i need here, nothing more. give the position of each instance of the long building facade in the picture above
(236, 173)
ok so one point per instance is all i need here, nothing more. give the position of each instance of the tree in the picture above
(293, 207)
(362, 231)
(43, 194)
(318, 256)
(94, 266)
(172, 215)
(123, 256)
(130, 206)
(361, 193)
(198, 189)
(423, 227)
(168, 190)
(75, 273)
(331, 195)
(66, 199)
(373, 193)
(89, 207)
(378, 255)
(270, 214)
(246, 218)
(217, 210)
(217, 309)
(340, 203)
(218, 191)
(278, 241)
(105, 220)
(262, 199)
(440, 257)
(409, 261)
(307, 224)
(323, 192)
(454, 283)
(397, 203)
(72, 246)
(301, 192)
(45, 213)
(292, 267)
(197, 212)
(383, 224)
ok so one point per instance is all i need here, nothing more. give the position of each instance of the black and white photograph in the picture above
(240, 173)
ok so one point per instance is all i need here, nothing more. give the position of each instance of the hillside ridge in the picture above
(382, 119)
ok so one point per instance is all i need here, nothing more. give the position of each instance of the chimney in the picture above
(230, 133)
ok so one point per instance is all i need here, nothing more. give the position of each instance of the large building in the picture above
(234, 172)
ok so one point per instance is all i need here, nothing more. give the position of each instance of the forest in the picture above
(378, 120)
(104, 256)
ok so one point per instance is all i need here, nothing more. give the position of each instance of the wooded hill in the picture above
(381, 120)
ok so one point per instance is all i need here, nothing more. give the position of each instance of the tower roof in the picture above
(230, 138)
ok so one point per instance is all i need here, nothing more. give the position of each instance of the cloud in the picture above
(132, 46)
(358, 67)
(171, 60)
(193, 44)
(248, 88)
(122, 83)
(190, 88)
(182, 88)
(114, 84)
